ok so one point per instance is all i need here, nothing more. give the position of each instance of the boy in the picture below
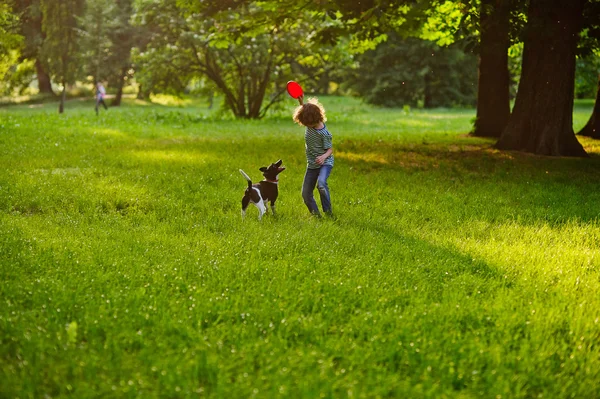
(319, 154)
(100, 93)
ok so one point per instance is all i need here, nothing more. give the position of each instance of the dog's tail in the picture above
(247, 178)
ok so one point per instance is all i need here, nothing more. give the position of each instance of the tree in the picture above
(326, 69)
(586, 76)
(107, 40)
(60, 49)
(489, 27)
(245, 52)
(592, 127)
(124, 36)
(415, 72)
(493, 101)
(10, 41)
(589, 46)
(542, 118)
(494, 23)
(31, 16)
(96, 24)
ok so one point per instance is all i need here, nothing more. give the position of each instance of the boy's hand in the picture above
(320, 159)
(301, 100)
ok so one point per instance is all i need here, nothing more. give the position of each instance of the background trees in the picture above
(248, 64)
(32, 65)
(11, 40)
(107, 38)
(60, 51)
(95, 26)
(416, 72)
(391, 53)
(541, 121)
(592, 127)
(124, 37)
(589, 64)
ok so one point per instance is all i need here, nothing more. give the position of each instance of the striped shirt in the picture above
(317, 141)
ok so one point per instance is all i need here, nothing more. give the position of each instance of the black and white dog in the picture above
(263, 191)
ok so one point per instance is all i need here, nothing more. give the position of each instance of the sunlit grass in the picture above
(162, 99)
(451, 269)
(173, 156)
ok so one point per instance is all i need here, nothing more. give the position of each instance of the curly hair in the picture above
(310, 114)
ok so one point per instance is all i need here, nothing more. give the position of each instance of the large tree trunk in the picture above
(542, 119)
(592, 127)
(493, 101)
(44, 83)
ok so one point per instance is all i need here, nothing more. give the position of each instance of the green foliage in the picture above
(589, 42)
(246, 53)
(98, 20)
(18, 77)
(452, 270)
(107, 38)
(30, 27)
(124, 36)
(515, 60)
(324, 70)
(586, 76)
(10, 40)
(417, 73)
(444, 22)
(462, 19)
(370, 21)
(60, 49)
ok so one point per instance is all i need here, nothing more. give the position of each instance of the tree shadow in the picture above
(435, 268)
(491, 185)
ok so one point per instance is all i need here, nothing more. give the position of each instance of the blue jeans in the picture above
(317, 177)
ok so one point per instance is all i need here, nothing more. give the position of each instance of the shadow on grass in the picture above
(437, 266)
(487, 184)
(468, 175)
(463, 153)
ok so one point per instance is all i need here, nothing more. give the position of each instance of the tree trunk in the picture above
(324, 83)
(211, 99)
(44, 83)
(141, 95)
(542, 119)
(428, 92)
(61, 106)
(116, 102)
(592, 127)
(493, 101)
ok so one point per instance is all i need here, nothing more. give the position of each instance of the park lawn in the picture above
(451, 270)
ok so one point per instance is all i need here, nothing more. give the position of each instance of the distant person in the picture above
(100, 93)
(319, 154)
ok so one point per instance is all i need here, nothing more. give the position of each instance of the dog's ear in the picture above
(263, 169)
(278, 163)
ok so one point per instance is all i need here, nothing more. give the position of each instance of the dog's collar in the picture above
(272, 181)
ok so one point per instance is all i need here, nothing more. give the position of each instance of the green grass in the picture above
(452, 270)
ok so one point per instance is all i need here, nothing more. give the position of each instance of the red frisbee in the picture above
(294, 89)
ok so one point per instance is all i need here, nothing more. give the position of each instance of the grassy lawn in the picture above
(452, 270)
